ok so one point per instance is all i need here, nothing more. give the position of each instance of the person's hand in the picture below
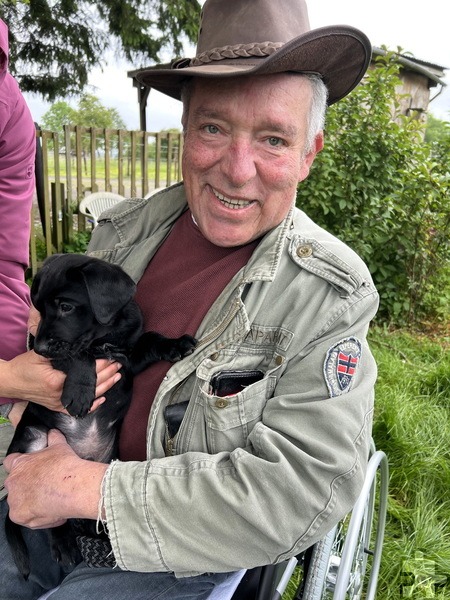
(32, 377)
(49, 486)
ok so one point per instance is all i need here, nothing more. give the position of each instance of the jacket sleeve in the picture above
(17, 154)
(300, 472)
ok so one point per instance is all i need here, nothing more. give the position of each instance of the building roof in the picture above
(435, 73)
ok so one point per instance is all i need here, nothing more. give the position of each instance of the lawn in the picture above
(412, 426)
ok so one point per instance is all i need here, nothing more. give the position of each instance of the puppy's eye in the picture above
(64, 307)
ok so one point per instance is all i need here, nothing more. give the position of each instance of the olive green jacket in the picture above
(256, 477)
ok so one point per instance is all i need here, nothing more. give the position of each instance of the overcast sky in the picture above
(422, 30)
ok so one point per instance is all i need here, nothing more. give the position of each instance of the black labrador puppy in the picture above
(87, 312)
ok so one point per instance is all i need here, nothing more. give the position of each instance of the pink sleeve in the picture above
(17, 183)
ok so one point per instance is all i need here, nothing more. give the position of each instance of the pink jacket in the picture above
(17, 183)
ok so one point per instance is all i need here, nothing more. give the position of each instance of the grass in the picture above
(412, 425)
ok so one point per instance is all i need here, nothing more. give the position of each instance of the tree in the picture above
(438, 136)
(60, 114)
(437, 131)
(90, 113)
(55, 43)
(379, 187)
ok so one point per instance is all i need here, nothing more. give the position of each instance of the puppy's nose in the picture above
(42, 347)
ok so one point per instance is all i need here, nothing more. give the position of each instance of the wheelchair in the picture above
(343, 565)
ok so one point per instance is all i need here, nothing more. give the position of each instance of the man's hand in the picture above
(49, 486)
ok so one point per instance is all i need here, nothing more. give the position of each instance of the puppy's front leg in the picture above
(152, 347)
(63, 545)
(79, 387)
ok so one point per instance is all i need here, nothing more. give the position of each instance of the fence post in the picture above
(120, 158)
(133, 163)
(68, 211)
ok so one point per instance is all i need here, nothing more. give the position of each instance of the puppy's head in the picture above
(79, 299)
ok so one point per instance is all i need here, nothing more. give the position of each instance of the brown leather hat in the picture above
(256, 37)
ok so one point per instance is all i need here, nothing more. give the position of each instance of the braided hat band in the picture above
(232, 42)
(259, 50)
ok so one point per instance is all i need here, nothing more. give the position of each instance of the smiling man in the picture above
(274, 407)
(246, 150)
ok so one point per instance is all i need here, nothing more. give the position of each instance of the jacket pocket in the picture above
(229, 420)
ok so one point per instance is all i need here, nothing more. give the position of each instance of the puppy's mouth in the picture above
(55, 348)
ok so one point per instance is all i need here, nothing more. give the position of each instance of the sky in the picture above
(422, 30)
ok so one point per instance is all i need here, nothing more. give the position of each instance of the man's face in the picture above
(244, 153)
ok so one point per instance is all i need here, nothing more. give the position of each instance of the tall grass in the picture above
(412, 425)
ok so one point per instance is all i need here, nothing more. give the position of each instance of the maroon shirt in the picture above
(178, 287)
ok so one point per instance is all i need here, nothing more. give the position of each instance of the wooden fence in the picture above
(85, 160)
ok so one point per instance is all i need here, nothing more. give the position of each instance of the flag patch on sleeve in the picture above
(341, 364)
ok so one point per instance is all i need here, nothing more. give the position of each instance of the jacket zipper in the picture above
(170, 441)
(234, 309)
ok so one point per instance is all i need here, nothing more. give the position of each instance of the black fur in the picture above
(87, 312)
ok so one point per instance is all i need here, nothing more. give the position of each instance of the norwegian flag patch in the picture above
(341, 364)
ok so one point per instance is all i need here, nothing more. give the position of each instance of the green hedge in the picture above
(379, 187)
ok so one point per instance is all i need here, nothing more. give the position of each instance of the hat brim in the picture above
(339, 54)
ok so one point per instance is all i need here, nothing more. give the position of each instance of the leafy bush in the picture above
(383, 190)
(79, 242)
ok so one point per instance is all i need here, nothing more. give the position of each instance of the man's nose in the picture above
(238, 164)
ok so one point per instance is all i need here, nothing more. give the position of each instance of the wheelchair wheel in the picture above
(339, 562)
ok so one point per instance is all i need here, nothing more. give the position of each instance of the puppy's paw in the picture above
(152, 347)
(78, 396)
(180, 347)
(76, 406)
(63, 545)
(65, 553)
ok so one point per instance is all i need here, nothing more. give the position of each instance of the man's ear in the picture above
(308, 160)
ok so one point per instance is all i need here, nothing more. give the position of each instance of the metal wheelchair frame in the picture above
(343, 565)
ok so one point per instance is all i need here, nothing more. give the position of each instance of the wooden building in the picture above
(421, 82)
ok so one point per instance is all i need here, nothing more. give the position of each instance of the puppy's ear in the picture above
(109, 289)
(46, 273)
(35, 289)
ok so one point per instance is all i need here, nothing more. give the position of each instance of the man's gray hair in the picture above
(316, 119)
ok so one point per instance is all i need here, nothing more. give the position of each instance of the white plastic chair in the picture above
(155, 191)
(94, 204)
